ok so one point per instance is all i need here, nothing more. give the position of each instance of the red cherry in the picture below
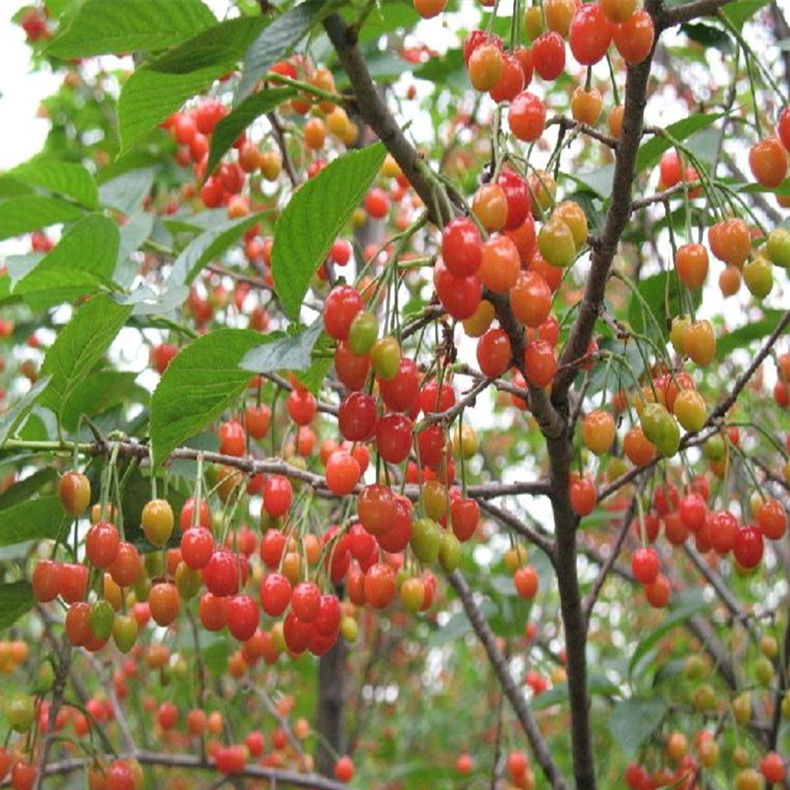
(693, 510)
(645, 565)
(277, 495)
(394, 437)
(748, 548)
(459, 296)
(548, 55)
(306, 601)
(197, 546)
(376, 509)
(590, 34)
(275, 593)
(220, 575)
(342, 473)
(357, 417)
(242, 617)
(494, 353)
(462, 247)
(519, 203)
(101, 545)
(340, 309)
(232, 438)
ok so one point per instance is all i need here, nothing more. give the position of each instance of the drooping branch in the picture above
(539, 746)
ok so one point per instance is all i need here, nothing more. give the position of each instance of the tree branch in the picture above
(539, 746)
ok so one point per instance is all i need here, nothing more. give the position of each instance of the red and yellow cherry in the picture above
(634, 37)
(586, 105)
(598, 431)
(385, 356)
(232, 438)
(157, 521)
(127, 566)
(363, 332)
(527, 117)
(485, 66)
(540, 363)
(490, 206)
(768, 162)
(74, 491)
(758, 277)
(583, 496)
(380, 585)
(163, 601)
(526, 582)
(500, 264)
(691, 263)
(590, 34)
(699, 342)
(548, 54)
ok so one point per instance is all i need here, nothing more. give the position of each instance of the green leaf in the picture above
(32, 519)
(67, 179)
(446, 69)
(650, 152)
(707, 35)
(314, 217)
(292, 352)
(83, 259)
(127, 191)
(16, 599)
(160, 87)
(12, 418)
(27, 487)
(744, 335)
(387, 17)
(741, 12)
(79, 346)
(598, 181)
(198, 385)
(275, 42)
(663, 304)
(231, 126)
(682, 611)
(27, 213)
(103, 27)
(633, 721)
(104, 390)
(209, 245)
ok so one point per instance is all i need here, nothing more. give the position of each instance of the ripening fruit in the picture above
(157, 522)
(599, 430)
(615, 121)
(572, 214)
(699, 342)
(768, 162)
(590, 34)
(485, 66)
(634, 37)
(556, 243)
(758, 277)
(778, 247)
(586, 105)
(500, 265)
(489, 205)
(462, 247)
(527, 117)
(428, 9)
(548, 54)
(691, 263)
(526, 582)
(74, 491)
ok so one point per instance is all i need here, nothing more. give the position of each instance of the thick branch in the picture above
(539, 746)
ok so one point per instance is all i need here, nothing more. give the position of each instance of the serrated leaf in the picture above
(231, 126)
(275, 42)
(740, 12)
(127, 191)
(67, 179)
(79, 346)
(84, 259)
(198, 385)
(744, 335)
(650, 152)
(101, 391)
(33, 519)
(27, 487)
(160, 87)
(209, 245)
(103, 27)
(27, 213)
(16, 599)
(663, 304)
(292, 352)
(313, 219)
(12, 417)
(633, 721)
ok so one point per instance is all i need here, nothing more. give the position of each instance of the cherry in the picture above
(634, 39)
(436, 397)
(163, 601)
(462, 247)
(363, 332)
(500, 265)
(397, 537)
(394, 437)
(306, 601)
(188, 514)
(771, 519)
(590, 34)
(197, 546)
(772, 767)
(485, 66)
(385, 356)
(301, 406)
(242, 617)
(599, 431)
(340, 309)
(464, 517)
(272, 547)
(344, 769)
(658, 592)
(357, 417)
(380, 585)
(586, 105)
(511, 81)
(46, 582)
(401, 392)
(213, 611)
(231, 759)
(232, 439)
(692, 511)
(73, 582)
(475, 39)
(540, 363)
(519, 203)
(530, 299)
(127, 565)
(277, 495)
(431, 444)
(167, 716)
(157, 520)
(494, 353)
(748, 547)
(342, 473)
(527, 116)
(526, 582)
(645, 565)
(162, 355)
(768, 162)
(583, 496)
(220, 575)
(376, 509)
(548, 55)
(459, 296)
(489, 205)
(74, 491)
(352, 369)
